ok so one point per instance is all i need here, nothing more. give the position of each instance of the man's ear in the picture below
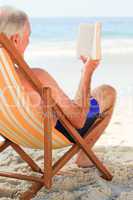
(15, 39)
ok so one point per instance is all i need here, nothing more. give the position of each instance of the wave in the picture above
(68, 48)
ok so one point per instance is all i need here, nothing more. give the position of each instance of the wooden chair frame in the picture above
(85, 143)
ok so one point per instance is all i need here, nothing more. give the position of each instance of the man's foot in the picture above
(85, 164)
(83, 161)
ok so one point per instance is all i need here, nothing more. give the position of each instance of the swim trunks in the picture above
(92, 115)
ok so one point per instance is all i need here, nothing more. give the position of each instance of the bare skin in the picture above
(75, 110)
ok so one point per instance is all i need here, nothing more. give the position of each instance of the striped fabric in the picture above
(19, 122)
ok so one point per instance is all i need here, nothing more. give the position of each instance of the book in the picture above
(89, 41)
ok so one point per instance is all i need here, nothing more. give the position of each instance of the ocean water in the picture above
(53, 48)
(62, 33)
(65, 29)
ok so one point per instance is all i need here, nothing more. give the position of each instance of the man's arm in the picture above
(85, 82)
(75, 111)
(78, 94)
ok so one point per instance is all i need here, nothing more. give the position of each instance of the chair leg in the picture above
(47, 159)
(106, 174)
(5, 145)
(47, 138)
(26, 158)
(31, 192)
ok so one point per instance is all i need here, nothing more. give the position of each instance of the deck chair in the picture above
(21, 126)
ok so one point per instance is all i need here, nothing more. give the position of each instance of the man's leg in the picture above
(106, 96)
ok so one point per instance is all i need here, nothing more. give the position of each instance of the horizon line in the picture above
(81, 16)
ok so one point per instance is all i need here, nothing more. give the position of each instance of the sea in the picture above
(65, 29)
(53, 48)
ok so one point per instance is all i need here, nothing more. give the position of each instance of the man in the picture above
(15, 24)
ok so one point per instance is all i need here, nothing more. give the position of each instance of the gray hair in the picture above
(12, 20)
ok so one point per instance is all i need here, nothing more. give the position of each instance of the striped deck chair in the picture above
(22, 126)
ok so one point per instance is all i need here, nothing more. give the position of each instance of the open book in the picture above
(89, 41)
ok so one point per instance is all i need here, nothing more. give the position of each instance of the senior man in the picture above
(82, 111)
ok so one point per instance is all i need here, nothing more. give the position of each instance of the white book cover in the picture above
(89, 41)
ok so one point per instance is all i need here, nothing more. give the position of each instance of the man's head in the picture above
(15, 24)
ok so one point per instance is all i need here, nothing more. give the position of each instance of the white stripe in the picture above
(14, 122)
(7, 66)
(19, 138)
(9, 132)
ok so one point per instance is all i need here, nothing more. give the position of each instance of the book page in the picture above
(89, 41)
(96, 48)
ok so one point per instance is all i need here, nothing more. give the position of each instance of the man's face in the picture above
(22, 42)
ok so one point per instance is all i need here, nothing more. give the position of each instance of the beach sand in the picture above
(114, 148)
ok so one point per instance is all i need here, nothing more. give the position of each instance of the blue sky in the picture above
(46, 8)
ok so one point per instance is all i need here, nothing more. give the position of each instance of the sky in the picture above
(75, 8)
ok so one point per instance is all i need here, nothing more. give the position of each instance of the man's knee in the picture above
(108, 91)
(105, 95)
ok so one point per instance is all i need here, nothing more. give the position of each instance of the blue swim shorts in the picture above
(92, 115)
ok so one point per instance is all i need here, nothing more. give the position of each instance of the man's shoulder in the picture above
(40, 72)
(43, 75)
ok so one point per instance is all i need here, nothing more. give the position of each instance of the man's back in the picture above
(35, 97)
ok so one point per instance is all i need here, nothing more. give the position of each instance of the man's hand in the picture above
(84, 59)
(90, 64)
